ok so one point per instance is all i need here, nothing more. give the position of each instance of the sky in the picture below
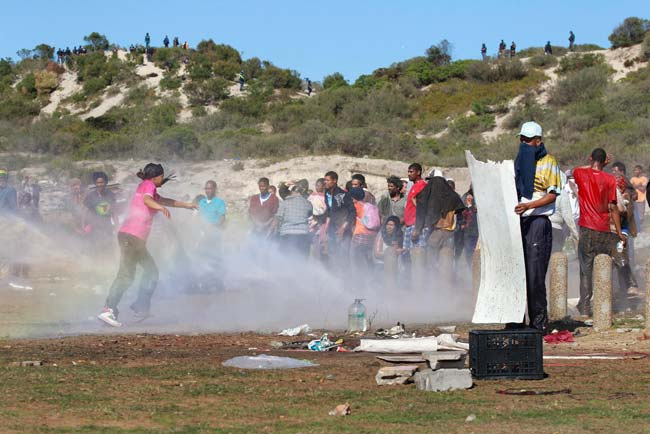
(353, 37)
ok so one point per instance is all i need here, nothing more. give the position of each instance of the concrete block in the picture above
(445, 359)
(390, 375)
(443, 379)
(448, 364)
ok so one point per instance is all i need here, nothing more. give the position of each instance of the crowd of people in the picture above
(342, 224)
(503, 51)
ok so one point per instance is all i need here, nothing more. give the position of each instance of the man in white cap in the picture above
(537, 176)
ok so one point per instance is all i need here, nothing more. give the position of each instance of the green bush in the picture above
(541, 61)
(645, 48)
(334, 81)
(27, 86)
(584, 84)
(630, 32)
(473, 124)
(500, 70)
(168, 58)
(587, 47)
(96, 42)
(439, 54)
(207, 92)
(170, 82)
(164, 115)
(17, 106)
(94, 85)
(279, 78)
(576, 62)
(539, 51)
(226, 69)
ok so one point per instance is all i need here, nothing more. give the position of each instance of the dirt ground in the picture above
(154, 383)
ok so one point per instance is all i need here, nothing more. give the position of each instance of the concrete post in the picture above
(647, 295)
(390, 268)
(559, 271)
(418, 266)
(602, 302)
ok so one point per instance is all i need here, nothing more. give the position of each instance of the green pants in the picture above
(133, 252)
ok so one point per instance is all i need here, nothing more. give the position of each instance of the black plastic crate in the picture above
(506, 354)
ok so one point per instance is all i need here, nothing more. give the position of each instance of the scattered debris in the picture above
(470, 418)
(18, 287)
(645, 336)
(323, 344)
(295, 331)
(267, 362)
(531, 392)
(341, 410)
(447, 329)
(31, 363)
(443, 379)
(557, 337)
(405, 345)
(397, 331)
(391, 375)
(627, 330)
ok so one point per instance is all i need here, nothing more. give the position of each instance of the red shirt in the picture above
(596, 190)
(409, 211)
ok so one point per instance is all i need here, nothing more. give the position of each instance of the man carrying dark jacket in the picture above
(341, 218)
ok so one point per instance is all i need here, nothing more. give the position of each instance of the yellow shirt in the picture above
(639, 182)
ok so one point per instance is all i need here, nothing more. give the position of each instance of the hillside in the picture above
(111, 103)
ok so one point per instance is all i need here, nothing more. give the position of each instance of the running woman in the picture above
(132, 238)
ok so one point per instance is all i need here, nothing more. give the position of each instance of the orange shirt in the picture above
(359, 228)
(642, 182)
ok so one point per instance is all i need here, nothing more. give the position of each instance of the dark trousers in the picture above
(133, 252)
(591, 244)
(538, 241)
(296, 243)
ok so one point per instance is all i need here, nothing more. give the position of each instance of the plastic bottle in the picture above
(357, 317)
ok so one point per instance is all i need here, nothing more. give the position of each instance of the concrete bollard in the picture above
(647, 295)
(559, 281)
(418, 266)
(390, 268)
(602, 301)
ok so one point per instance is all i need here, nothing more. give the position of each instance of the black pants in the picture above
(591, 244)
(133, 252)
(296, 243)
(538, 241)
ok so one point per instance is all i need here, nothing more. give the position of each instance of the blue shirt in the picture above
(212, 210)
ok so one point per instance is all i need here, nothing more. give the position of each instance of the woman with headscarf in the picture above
(391, 235)
(132, 238)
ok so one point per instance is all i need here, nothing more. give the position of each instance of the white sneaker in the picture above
(109, 318)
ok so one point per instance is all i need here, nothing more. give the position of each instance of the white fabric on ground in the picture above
(502, 291)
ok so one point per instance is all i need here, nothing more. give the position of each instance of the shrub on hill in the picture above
(576, 62)
(499, 70)
(584, 84)
(645, 48)
(630, 32)
(96, 42)
(208, 91)
(541, 61)
(334, 80)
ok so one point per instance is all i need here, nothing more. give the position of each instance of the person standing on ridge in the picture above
(548, 50)
(147, 40)
(597, 198)
(309, 88)
(241, 80)
(513, 50)
(538, 181)
(166, 41)
(572, 39)
(132, 238)
(484, 52)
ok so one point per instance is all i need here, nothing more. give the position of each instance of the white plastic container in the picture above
(357, 321)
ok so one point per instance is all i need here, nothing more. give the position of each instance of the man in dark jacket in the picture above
(341, 218)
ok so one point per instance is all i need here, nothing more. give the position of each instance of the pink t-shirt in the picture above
(140, 217)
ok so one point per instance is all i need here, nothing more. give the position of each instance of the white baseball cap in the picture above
(531, 129)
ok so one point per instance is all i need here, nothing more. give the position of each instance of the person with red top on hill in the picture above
(132, 238)
(262, 208)
(597, 198)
